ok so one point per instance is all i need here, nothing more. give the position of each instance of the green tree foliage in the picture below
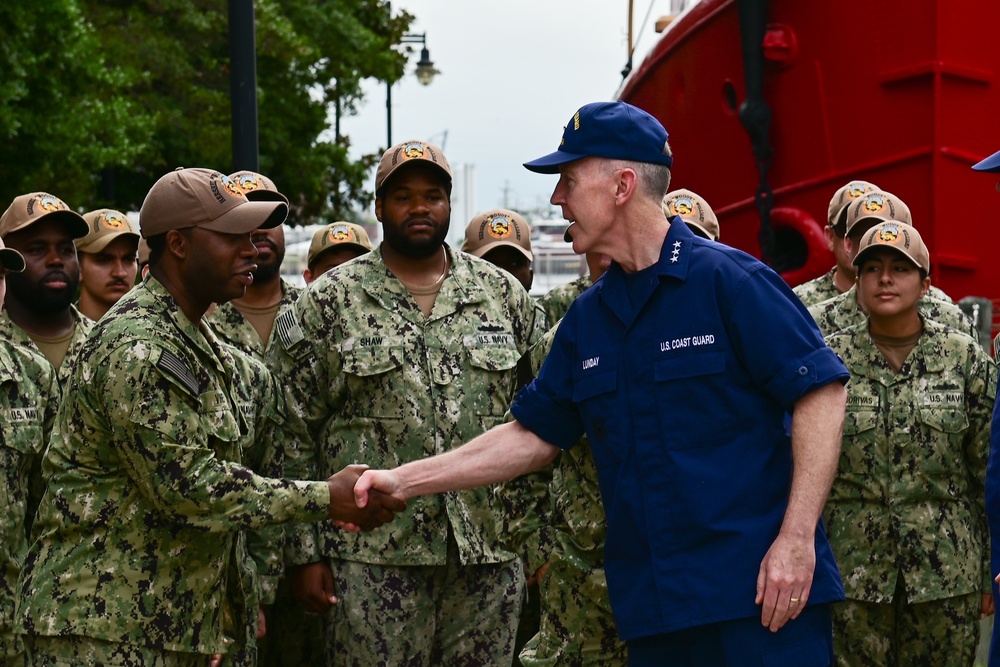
(64, 111)
(117, 92)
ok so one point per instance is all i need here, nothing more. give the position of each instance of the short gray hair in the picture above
(654, 179)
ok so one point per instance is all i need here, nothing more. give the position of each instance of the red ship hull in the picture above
(902, 93)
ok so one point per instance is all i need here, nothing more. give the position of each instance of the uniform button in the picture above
(803, 370)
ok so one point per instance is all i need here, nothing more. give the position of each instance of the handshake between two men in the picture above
(379, 509)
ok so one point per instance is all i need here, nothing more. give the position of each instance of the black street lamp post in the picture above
(425, 74)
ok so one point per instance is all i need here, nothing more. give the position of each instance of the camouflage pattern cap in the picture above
(898, 236)
(843, 197)
(338, 234)
(204, 198)
(875, 207)
(257, 187)
(693, 210)
(499, 227)
(10, 259)
(409, 152)
(28, 209)
(105, 225)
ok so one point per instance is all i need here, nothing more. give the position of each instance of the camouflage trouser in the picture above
(86, 652)
(11, 650)
(577, 627)
(453, 615)
(294, 636)
(941, 633)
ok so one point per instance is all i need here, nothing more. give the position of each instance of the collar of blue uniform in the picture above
(674, 254)
(674, 260)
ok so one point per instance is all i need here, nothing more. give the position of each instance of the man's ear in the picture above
(626, 185)
(178, 243)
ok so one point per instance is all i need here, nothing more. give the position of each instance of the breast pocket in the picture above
(373, 382)
(223, 428)
(496, 367)
(857, 452)
(20, 442)
(944, 425)
(692, 393)
(603, 421)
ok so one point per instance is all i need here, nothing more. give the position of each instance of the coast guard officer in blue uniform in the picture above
(992, 164)
(713, 408)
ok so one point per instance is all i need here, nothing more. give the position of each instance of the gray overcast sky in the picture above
(512, 73)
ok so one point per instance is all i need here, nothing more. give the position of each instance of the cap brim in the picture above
(499, 244)
(12, 260)
(337, 246)
(870, 221)
(249, 216)
(992, 163)
(100, 244)
(265, 195)
(864, 252)
(392, 173)
(549, 164)
(78, 227)
(707, 233)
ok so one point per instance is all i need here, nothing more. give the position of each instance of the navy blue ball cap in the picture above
(615, 130)
(992, 163)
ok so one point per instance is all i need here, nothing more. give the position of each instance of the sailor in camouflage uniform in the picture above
(561, 538)
(840, 278)
(140, 556)
(906, 513)
(409, 352)
(844, 310)
(293, 635)
(28, 398)
(246, 323)
(868, 210)
(39, 313)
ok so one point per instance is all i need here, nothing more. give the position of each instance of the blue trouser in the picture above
(805, 642)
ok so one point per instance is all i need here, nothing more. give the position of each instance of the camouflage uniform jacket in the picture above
(844, 311)
(377, 383)
(28, 399)
(908, 499)
(236, 331)
(229, 324)
(18, 336)
(273, 432)
(818, 289)
(139, 537)
(556, 302)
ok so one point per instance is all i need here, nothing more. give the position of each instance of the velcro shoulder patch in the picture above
(174, 366)
(288, 328)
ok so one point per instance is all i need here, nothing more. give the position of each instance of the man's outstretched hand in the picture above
(375, 484)
(346, 513)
